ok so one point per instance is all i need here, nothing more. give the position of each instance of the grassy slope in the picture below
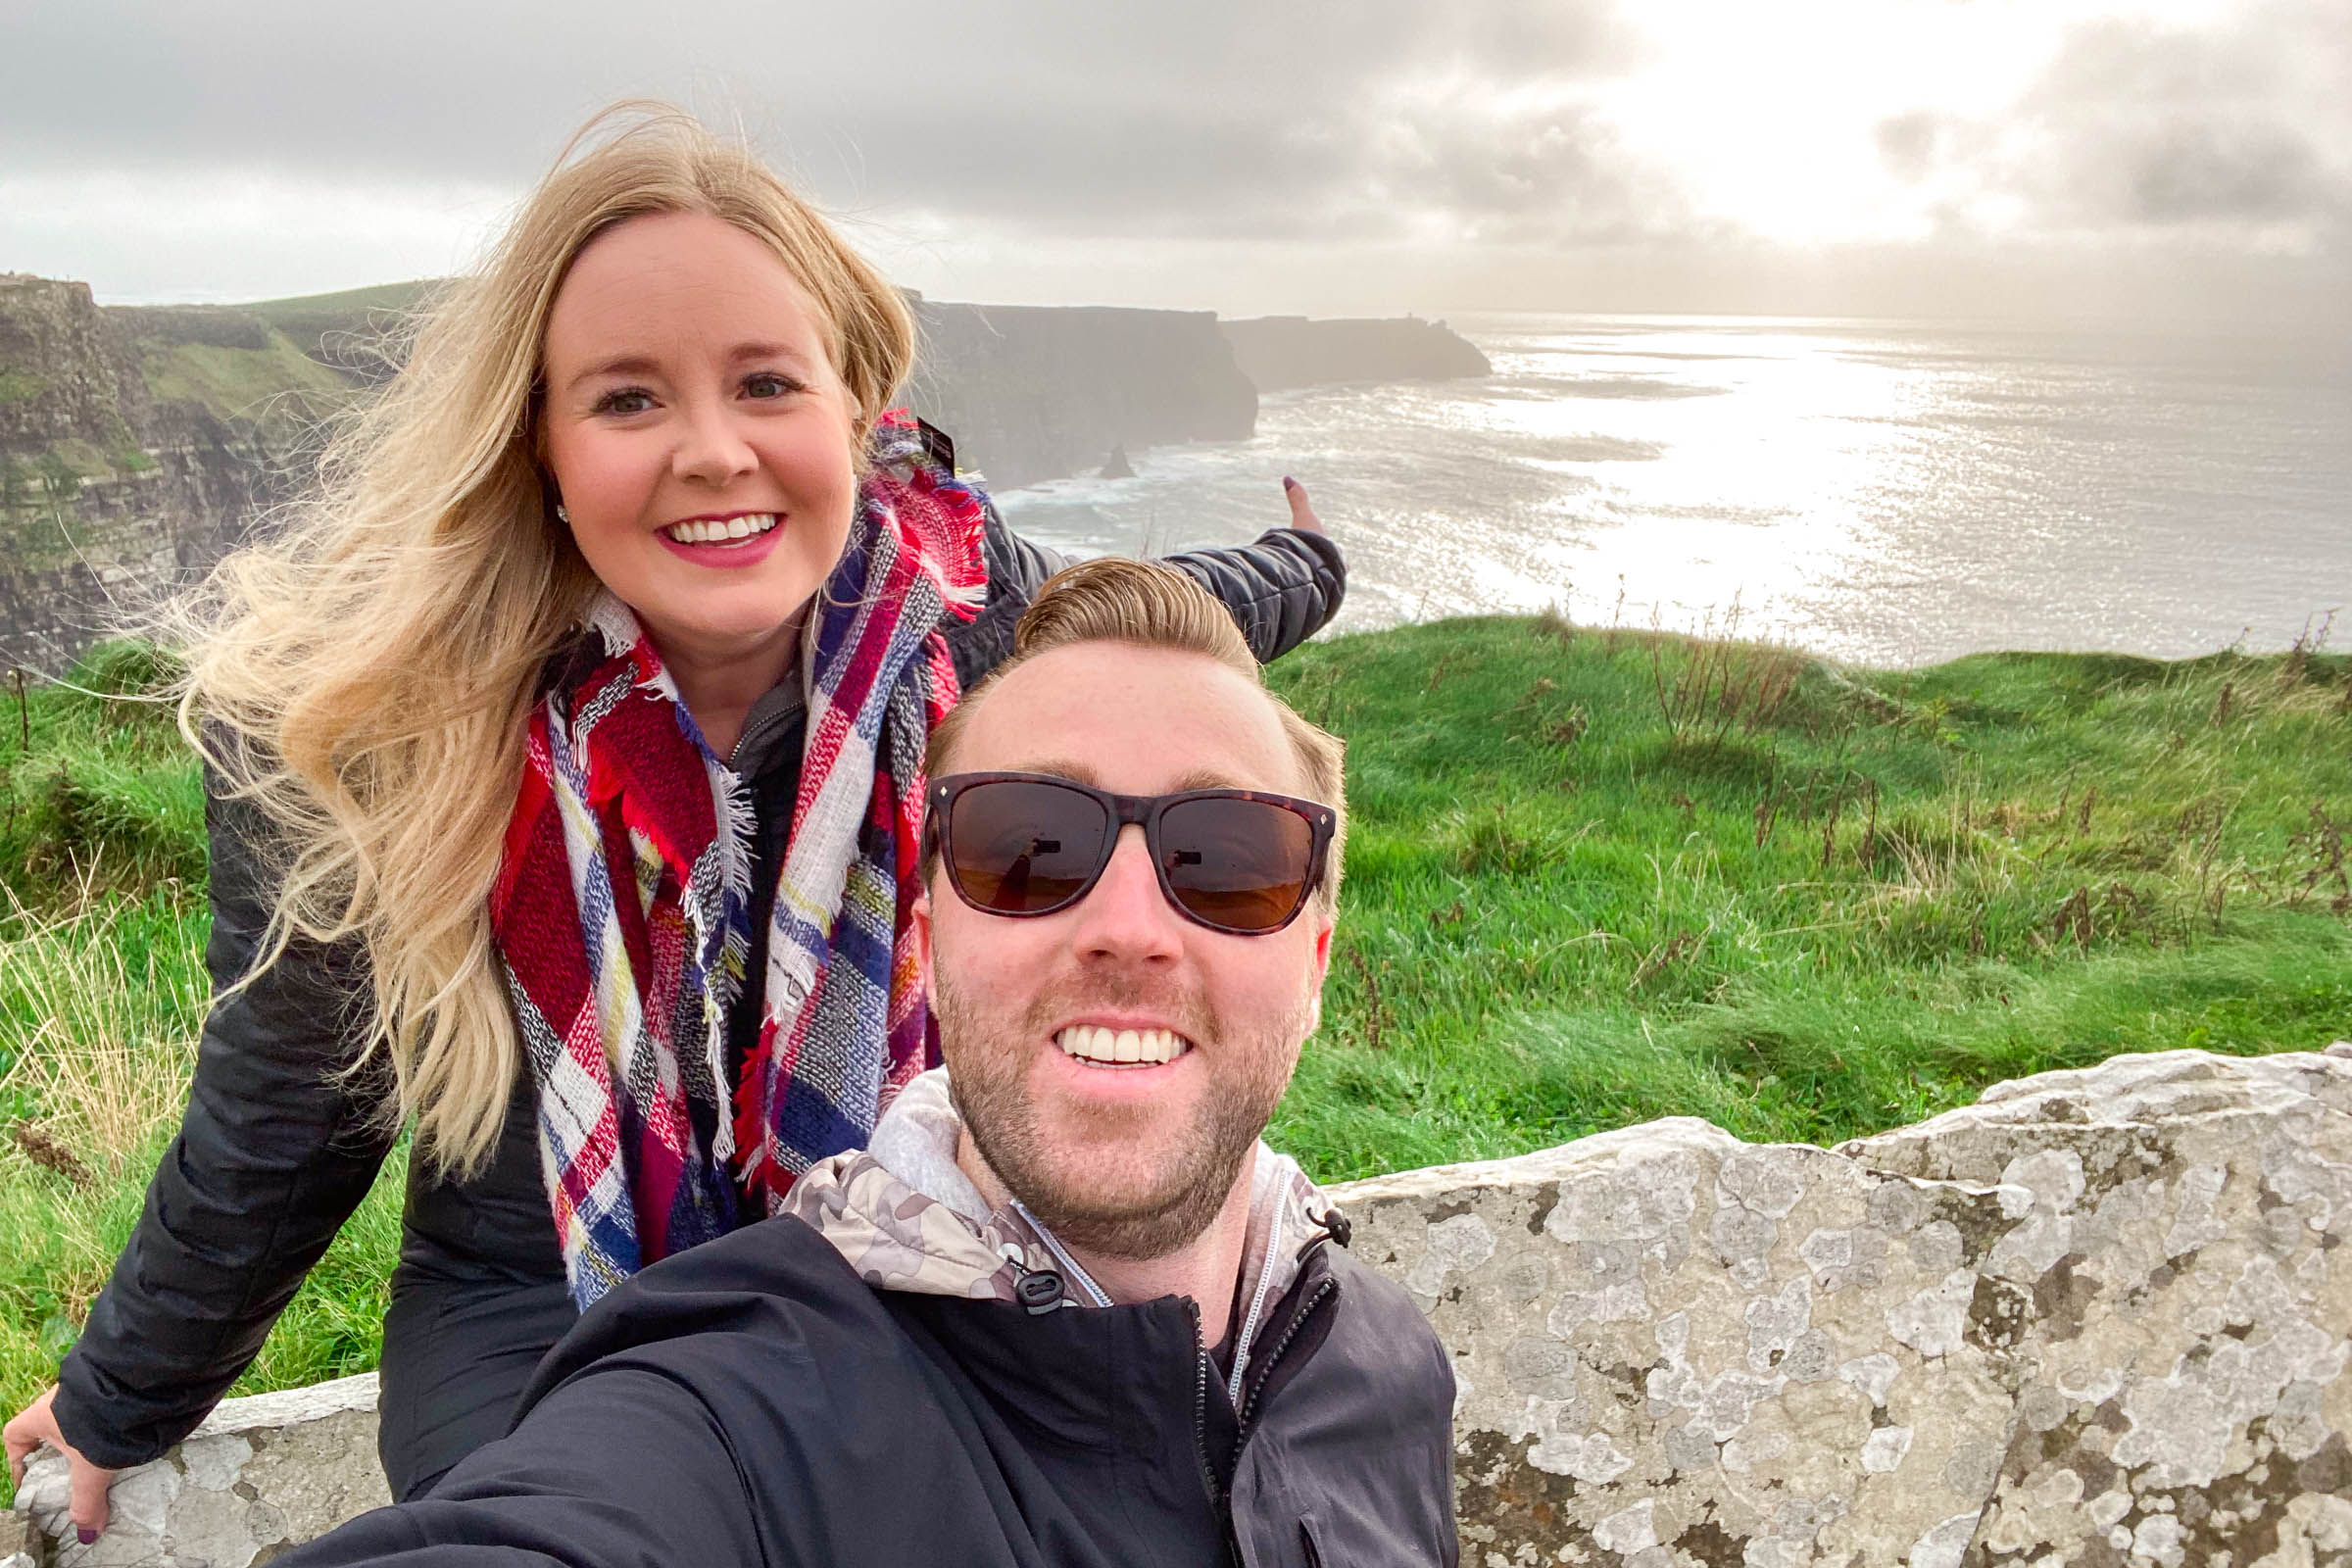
(1593, 879)
(1596, 879)
(354, 311)
(102, 989)
(241, 385)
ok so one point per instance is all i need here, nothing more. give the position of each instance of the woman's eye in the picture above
(625, 400)
(768, 384)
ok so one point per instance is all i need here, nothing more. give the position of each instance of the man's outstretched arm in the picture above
(624, 1465)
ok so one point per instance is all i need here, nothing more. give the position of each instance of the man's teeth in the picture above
(1118, 1047)
(711, 531)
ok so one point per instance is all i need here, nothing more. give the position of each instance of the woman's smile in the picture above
(726, 543)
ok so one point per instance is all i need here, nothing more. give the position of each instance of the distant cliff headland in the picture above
(137, 444)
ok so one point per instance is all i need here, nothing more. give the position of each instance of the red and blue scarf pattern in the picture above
(621, 908)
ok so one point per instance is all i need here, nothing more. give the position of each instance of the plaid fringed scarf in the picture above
(622, 906)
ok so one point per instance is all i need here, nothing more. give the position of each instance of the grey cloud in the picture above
(1554, 173)
(1224, 116)
(1910, 145)
(2164, 126)
(2142, 126)
(2192, 172)
(1458, 141)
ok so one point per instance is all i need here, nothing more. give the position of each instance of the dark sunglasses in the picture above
(1022, 844)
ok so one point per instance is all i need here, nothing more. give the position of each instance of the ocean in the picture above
(1884, 493)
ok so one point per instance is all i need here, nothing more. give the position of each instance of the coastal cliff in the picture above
(1037, 392)
(1278, 352)
(133, 453)
(139, 444)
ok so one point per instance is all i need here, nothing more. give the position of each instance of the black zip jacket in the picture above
(751, 1401)
(275, 1150)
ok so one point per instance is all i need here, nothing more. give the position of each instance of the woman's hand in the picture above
(1302, 514)
(34, 1426)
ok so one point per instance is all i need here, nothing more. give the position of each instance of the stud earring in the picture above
(562, 516)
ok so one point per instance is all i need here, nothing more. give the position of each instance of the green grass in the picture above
(306, 316)
(102, 991)
(1599, 877)
(244, 384)
(1593, 878)
(20, 385)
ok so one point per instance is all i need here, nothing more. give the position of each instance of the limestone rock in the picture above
(262, 1474)
(18, 1542)
(1289, 351)
(2182, 1396)
(2094, 1318)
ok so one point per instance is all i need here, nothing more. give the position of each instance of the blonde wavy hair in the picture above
(365, 676)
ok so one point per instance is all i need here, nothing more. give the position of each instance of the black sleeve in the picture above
(568, 1488)
(1282, 588)
(272, 1156)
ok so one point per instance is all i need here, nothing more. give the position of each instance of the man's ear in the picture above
(919, 933)
(1322, 960)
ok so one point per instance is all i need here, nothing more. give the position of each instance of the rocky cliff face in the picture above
(1288, 350)
(2098, 1318)
(138, 445)
(132, 455)
(1033, 393)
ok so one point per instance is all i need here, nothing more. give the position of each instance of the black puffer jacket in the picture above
(753, 1401)
(275, 1152)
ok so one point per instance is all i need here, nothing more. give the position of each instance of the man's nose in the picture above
(1124, 917)
(711, 450)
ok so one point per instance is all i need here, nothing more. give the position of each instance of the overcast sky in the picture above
(2039, 159)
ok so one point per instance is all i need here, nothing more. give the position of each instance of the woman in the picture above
(565, 769)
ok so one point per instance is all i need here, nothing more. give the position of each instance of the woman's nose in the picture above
(711, 451)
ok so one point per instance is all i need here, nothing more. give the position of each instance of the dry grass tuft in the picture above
(97, 1056)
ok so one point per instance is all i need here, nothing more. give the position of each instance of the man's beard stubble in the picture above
(989, 1085)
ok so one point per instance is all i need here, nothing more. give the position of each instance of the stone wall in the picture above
(2099, 1318)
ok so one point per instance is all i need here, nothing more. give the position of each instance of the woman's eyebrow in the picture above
(625, 364)
(768, 351)
(647, 365)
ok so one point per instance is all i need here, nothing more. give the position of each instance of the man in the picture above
(1068, 1308)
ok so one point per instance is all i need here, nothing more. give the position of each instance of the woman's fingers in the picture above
(1303, 512)
(36, 1425)
(90, 1507)
(26, 1430)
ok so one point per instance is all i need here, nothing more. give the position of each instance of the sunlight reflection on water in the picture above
(1882, 492)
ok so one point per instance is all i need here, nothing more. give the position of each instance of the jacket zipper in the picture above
(1203, 1370)
(1265, 1368)
(1201, 1374)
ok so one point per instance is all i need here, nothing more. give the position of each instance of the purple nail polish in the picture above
(85, 1535)
(1289, 483)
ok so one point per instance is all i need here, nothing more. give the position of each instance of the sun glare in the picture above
(1772, 115)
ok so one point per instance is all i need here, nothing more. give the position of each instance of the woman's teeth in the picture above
(711, 531)
(1120, 1047)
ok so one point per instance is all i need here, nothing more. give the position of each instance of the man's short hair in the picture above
(1151, 606)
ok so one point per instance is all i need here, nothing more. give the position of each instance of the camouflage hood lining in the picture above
(918, 1228)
